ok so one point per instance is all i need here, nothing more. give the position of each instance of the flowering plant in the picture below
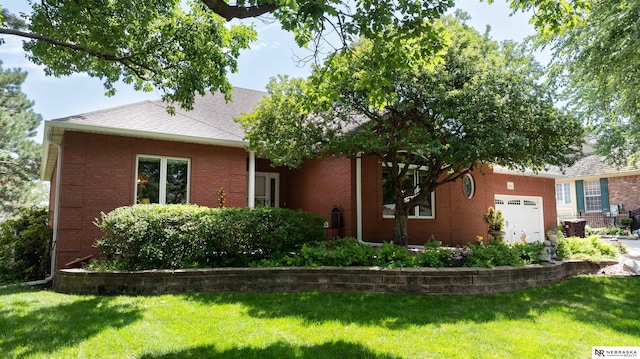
(459, 256)
(494, 219)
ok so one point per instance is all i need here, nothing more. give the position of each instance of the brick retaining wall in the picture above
(325, 279)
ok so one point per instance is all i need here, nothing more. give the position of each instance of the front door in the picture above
(267, 189)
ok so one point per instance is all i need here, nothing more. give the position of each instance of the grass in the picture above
(559, 321)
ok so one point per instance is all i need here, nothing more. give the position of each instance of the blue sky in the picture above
(273, 53)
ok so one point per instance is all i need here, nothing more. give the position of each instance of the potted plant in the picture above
(493, 218)
(626, 223)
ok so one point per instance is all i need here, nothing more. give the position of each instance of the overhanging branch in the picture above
(229, 12)
(67, 45)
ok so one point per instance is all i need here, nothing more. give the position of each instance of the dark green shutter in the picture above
(604, 194)
(580, 195)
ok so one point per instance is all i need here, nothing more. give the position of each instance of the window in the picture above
(416, 176)
(563, 193)
(163, 180)
(592, 196)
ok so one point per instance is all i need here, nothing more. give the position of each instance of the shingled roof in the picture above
(595, 166)
(211, 117)
(211, 121)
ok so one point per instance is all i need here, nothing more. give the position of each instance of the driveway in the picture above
(633, 245)
(629, 264)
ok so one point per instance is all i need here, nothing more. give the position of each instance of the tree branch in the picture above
(229, 12)
(63, 44)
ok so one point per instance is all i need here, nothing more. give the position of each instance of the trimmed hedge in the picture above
(188, 236)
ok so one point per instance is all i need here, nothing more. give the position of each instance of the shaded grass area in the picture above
(560, 321)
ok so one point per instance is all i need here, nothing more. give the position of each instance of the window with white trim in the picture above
(592, 196)
(563, 193)
(163, 180)
(411, 187)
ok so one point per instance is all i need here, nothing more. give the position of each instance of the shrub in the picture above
(183, 236)
(590, 248)
(25, 243)
(391, 255)
(339, 252)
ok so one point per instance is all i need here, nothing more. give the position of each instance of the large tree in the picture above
(596, 59)
(19, 153)
(187, 49)
(473, 103)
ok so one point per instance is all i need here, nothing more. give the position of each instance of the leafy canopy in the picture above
(189, 48)
(597, 62)
(473, 101)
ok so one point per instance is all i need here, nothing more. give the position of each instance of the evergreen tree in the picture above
(19, 153)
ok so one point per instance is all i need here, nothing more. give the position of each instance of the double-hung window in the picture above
(592, 196)
(163, 180)
(410, 188)
(563, 193)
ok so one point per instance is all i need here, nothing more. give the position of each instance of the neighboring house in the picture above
(139, 153)
(596, 191)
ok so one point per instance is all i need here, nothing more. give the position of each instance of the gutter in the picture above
(56, 210)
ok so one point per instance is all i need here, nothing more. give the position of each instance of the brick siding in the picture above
(624, 190)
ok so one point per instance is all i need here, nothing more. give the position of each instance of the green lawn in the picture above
(559, 321)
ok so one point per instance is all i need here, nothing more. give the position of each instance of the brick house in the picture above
(596, 191)
(139, 153)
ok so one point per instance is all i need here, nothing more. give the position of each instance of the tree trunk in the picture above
(400, 236)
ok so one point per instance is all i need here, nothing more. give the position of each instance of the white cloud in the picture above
(260, 45)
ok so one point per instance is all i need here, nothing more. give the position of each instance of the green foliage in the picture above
(348, 252)
(184, 236)
(607, 231)
(189, 48)
(19, 153)
(393, 256)
(590, 248)
(25, 246)
(438, 113)
(502, 254)
(493, 218)
(594, 58)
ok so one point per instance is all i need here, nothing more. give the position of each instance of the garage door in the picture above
(522, 214)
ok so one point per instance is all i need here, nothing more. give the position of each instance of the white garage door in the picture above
(522, 214)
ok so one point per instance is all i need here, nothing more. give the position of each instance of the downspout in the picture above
(56, 210)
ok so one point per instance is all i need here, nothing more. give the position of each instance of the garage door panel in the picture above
(522, 214)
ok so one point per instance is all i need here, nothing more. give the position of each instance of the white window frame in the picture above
(592, 190)
(563, 193)
(276, 196)
(416, 209)
(162, 196)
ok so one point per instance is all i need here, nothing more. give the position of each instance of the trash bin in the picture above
(574, 227)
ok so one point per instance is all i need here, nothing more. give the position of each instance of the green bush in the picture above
(339, 252)
(187, 236)
(348, 252)
(590, 248)
(25, 243)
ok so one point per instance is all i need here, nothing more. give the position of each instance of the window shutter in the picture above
(580, 195)
(604, 194)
